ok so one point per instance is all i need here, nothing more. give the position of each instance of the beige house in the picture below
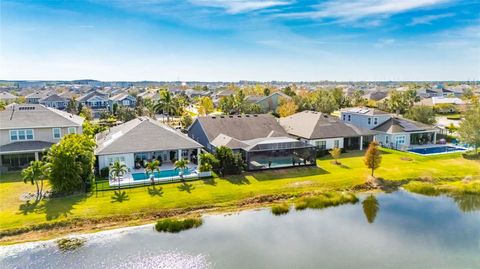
(27, 130)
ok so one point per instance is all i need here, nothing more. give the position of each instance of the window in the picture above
(375, 121)
(369, 121)
(13, 135)
(343, 117)
(336, 143)
(72, 130)
(112, 160)
(349, 117)
(21, 135)
(387, 139)
(400, 140)
(322, 145)
(57, 133)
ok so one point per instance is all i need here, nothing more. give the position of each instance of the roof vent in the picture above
(325, 116)
(255, 115)
(26, 108)
(230, 116)
(222, 117)
(248, 116)
(239, 116)
(214, 117)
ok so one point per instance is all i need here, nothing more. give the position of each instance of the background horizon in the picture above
(241, 40)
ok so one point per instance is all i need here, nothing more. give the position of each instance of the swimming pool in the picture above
(437, 150)
(162, 174)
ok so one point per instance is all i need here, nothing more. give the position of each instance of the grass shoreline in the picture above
(24, 221)
(91, 225)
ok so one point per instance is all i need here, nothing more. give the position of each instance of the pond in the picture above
(398, 230)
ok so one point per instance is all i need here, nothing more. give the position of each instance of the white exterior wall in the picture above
(392, 138)
(330, 142)
(103, 160)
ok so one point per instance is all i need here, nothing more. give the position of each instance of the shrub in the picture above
(175, 225)
(104, 172)
(280, 209)
(325, 200)
(422, 188)
(67, 244)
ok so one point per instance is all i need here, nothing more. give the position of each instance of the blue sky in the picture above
(220, 40)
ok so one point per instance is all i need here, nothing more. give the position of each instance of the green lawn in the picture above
(219, 191)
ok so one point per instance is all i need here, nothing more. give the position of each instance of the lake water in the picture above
(399, 230)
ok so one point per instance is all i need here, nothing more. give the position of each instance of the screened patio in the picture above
(279, 153)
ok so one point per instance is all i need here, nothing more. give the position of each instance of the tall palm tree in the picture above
(150, 169)
(166, 103)
(34, 173)
(181, 165)
(118, 169)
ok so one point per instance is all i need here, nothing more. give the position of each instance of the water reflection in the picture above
(370, 208)
(467, 202)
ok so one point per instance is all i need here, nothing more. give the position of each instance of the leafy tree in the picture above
(205, 106)
(114, 109)
(21, 100)
(117, 170)
(125, 113)
(140, 107)
(423, 114)
(266, 91)
(469, 129)
(207, 162)
(370, 208)
(287, 108)
(71, 163)
(373, 157)
(335, 153)
(72, 106)
(468, 94)
(288, 91)
(87, 113)
(228, 162)
(91, 129)
(186, 120)
(37, 171)
(324, 102)
(79, 108)
(253, 109)
(2, 106)
(340, 98)
(357, 98)
(451, 128)
(400, 102)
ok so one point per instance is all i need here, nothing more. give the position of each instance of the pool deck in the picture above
(127, 179)
(460, 149)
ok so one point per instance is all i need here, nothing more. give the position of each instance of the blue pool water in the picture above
(162, 174)
(436, 150)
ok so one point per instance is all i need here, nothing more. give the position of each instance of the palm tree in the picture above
(181, 165)
(34, 173)
(166, 104)
(118, 169)
(150, 169)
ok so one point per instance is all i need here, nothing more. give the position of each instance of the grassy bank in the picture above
(229, 192)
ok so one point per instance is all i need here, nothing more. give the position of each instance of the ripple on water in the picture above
(170, 260)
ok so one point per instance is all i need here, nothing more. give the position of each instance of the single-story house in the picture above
(326, 131)
(260, 139)
(400, 133)
(55, 101)
(144, 139)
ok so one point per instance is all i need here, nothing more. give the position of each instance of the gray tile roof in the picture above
(142, 135)
(316, 125)
(241, 127)
(25, 146)
(53, 98)
(36, 116)
(401, 125)
(92, 94)
(121, 96)
(7, 96)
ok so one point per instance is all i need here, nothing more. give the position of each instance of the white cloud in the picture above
(430, 18)
(240, 6)
(351, 10)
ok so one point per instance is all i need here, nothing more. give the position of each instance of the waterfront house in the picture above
(27, 130)
(144, 139)
(326, 131)
(260, 139)
(391, 131)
